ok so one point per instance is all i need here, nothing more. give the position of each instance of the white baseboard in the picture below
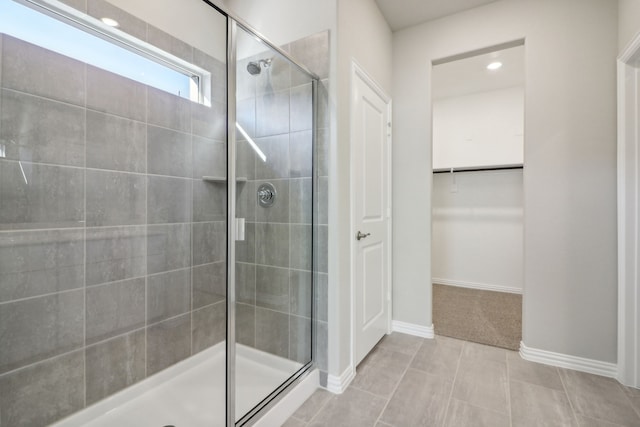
(337, 384)
(412, 329)
(474, 285)
(576, 363)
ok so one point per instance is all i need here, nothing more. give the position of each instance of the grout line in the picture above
(192, 202)
(324, 405)
(453, 384)
(269, 266)
(537, 385)
(509, 391)
(65, 291)
(83, 266)
(175, 270)
(146, 233)
(78, 349)
(213, 304)
(566, 393)
(123, 334)
(166, 319)
(255, 233)
(628, 397)
(114, 226)
(399, 381)
(54, 100)
(191, 257)
(70, 229)
(84, 242)
(101, 170)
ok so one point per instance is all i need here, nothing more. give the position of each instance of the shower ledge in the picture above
(222, 178)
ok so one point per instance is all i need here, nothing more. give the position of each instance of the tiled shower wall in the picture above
(112, 247)
(274, 268)
(313, 51)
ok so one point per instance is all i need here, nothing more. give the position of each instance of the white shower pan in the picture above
(192, 392)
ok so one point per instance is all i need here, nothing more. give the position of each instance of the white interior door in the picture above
(371, 190)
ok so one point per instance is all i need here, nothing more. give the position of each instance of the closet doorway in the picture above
(477, 198)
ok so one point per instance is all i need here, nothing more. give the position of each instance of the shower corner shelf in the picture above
(222, 178)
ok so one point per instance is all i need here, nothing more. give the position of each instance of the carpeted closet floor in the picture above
(486, 317)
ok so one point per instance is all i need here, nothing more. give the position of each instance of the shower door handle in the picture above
(240, 229)
(361, 236)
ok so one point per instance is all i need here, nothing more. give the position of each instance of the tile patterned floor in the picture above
(409, 382)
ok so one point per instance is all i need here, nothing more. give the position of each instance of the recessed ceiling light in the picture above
(494, 65)
(110, 22)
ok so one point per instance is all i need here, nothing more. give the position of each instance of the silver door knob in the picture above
(361, 236)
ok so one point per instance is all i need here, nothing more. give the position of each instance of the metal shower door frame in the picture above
(233, 23)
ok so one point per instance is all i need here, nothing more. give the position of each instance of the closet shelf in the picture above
(222, 178)
(479, 168)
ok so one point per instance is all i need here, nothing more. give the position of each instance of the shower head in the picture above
(255, 67)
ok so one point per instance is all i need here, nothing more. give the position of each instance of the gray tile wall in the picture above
(112, 248)
(313, 51)
(274, 263)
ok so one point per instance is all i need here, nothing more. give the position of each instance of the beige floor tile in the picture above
(534, 405)
(483, 383)
(463, 414)
(474, 350)
(380, 372)
(401, 343)
(312, 405)
(420, 400)
(631, 391)
(533, 373)
(633, 394)
(437, 358)
(294, 422)
(485, 376)
(448, 341)
(353, 408)
(592, 422)
(599, 397)
(635, 402)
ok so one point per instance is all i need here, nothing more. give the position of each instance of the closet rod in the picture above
(471, 169)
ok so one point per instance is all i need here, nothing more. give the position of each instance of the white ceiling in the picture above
(405, 13)
(470, 75)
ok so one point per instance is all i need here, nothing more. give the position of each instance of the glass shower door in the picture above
(274, 199)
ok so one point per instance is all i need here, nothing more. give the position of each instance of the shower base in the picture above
(192, 392)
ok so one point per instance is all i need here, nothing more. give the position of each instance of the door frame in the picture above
(358, 72)
(628, 81)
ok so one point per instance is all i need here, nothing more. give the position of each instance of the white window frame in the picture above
(200, 79)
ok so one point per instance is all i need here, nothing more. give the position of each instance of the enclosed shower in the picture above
(158, 216)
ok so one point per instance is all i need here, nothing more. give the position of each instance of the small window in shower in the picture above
(97, 42)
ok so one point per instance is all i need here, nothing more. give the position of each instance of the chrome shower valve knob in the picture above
(266, 194)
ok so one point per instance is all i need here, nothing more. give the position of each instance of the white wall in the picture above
(628, 21)
(363, 36)
(284, 21)
(480, 129)
(478, 229)
(569, 180)
(194, 22)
